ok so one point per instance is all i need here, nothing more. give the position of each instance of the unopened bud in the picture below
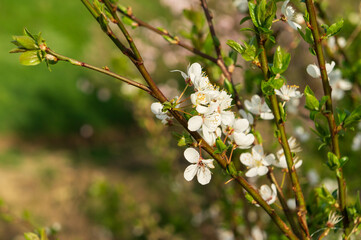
(42, 47)
(51, 58)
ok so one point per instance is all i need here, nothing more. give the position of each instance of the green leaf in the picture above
(31, 236)
(272, 84)
(231, 169)
(311, 101)
(281, 60)
(353, 118)
(221, 147)
(30, 58)
(244, 20)
(252, 13)
(323, 101)
(228, 86)
(333, 162)
(343, 161)
(25, 42)
(248, 51)
(334, 28)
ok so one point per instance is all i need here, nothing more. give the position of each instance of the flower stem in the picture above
(330, 116)
(296, 187)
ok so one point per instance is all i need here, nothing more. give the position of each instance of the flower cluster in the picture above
(214, 111)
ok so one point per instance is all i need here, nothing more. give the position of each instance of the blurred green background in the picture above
(82, 154)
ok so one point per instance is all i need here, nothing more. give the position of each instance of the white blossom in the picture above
(281, 161)
(314, 71)
(268, 194)
(289, 13)
(338, 84)
(247, 116)
(240, 133)
(199, 167)
(157, 109)
(286, 92)
(257, 107)
(257, 162)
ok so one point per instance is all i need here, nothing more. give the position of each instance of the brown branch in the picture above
(218, 49)
(167, 34)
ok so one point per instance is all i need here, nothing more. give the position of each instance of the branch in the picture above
(167, 34)
(101, 70)
(127, 52)
(217, 47)
(284, 205)
(330, 116)
(222, 162)
(301, 204)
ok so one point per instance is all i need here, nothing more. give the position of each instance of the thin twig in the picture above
(296, 187)
(218, 48)
(176, 41)
(330, 116)
(282, 199)
(101, 70)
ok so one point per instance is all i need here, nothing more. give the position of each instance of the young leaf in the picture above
(334, 28)
(30, 58)
(353, 118)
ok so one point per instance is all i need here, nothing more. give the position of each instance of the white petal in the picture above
(227, 117)
(329, 67)
(195, 123)
(251, 172)
(284, 5)
(246, 159)
(270, 159)
(267, 116)
(191, 155)
(294, 25)
(208, 163)
(195, 69)
(298, 164)
(262, 170)
(201, 109)
(240, 125)
(190, 172)
(242, 140)
(345, 85)
(257, 152)
(156, 108)
(209, 137)
(184, 75)
(313, 71)
(204, 175)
